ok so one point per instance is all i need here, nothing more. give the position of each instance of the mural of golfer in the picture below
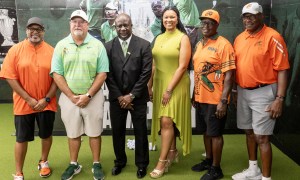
(6, 27)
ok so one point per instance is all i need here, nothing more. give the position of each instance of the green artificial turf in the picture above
(234, 157)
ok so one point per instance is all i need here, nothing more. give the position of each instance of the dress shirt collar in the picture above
(127, 40)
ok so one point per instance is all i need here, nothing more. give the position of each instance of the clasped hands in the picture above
(37, 105)
(125, 102)
(80, 100)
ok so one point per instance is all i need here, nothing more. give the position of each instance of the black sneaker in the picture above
(204, 165)
(213, 173)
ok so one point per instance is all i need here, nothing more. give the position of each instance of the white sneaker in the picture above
(18, 177)
(248, 174)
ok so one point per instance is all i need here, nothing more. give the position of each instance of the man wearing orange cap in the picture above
(214, 62)
(261, 76)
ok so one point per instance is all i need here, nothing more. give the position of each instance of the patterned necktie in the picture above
(124, 47)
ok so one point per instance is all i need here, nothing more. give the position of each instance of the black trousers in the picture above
(118, 118)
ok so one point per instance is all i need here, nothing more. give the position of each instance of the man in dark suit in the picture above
(130, 61)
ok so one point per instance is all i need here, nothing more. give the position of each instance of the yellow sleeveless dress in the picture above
(166, 58)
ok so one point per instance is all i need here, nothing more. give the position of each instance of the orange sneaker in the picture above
(18, 176)
(44, 168)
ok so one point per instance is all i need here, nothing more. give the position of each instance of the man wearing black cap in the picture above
(26, 68)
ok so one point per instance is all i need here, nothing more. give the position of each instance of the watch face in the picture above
(132, 96)
(224, 101)
(47, 99)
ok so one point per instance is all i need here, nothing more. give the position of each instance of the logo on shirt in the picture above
(202, 79)
(65, 51)
(212, 49)
(258, 43)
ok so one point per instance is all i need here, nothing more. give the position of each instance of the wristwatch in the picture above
(131, 96)
(47, 99)
(224, 101)
(88, 95)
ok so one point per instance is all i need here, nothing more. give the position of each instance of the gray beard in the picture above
(78, 33)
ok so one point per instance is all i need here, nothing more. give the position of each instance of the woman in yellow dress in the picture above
(171, 90)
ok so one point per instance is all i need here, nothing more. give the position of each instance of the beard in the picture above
(35, 39)
(78, 32)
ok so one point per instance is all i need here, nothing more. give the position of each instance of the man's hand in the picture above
(275, 108)
(41, 104)
(125, 102)
(83, 101)
(221, 110)
(32, 102)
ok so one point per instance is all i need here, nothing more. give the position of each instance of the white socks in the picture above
(253, 165)
(72, 162)
(266, 178)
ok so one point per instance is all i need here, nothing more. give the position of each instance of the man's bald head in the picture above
(123, 26)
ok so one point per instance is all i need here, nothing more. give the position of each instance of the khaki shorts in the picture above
(79, 121)
(251, 106)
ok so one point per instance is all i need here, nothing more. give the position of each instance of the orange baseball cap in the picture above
(211, 14)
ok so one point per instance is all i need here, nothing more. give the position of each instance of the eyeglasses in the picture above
(110, 11)
(38, 30)
(207, 23)
(250, 17)
(80, 22)
(126, 26)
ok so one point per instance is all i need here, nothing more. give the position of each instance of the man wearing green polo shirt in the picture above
(108, 28)
(157, 7)
(79, 66)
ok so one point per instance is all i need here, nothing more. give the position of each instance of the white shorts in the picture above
(79, 121)
(251, 106)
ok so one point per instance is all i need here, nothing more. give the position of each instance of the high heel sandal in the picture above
(156, 173)
(176, 157)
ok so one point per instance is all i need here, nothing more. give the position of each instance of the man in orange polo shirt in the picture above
(26, 68)
(261, 76)
(214, 62)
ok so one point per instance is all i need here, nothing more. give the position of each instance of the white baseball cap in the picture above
(111, 6)
(79, 13)
(252, 8)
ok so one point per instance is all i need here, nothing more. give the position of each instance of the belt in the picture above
(259, 86)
